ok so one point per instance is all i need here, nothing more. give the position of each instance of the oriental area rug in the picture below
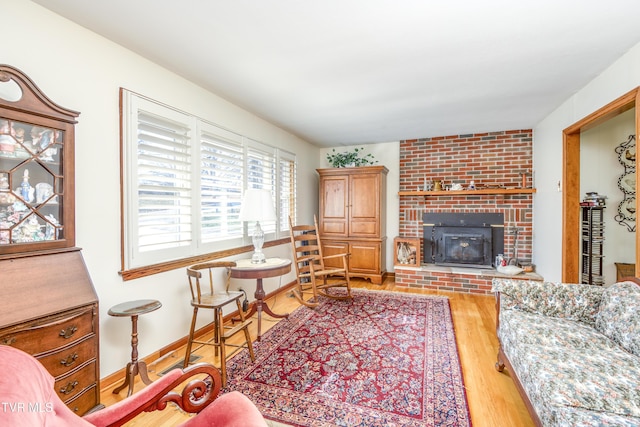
(381, 359)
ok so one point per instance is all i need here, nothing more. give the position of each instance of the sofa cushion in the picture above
(619, 318)
(521, 327)
(569, 301)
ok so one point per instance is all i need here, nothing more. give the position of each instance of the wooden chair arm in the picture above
(337, 255)
(195, 396)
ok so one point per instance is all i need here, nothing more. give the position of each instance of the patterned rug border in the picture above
(272, 338)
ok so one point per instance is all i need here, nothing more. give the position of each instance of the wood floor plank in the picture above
(492, 396)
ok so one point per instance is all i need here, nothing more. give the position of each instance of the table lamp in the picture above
(257, 205)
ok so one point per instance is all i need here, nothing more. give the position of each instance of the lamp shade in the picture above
(257, 205)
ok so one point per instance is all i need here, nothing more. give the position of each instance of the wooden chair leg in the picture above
(346, 276)
(192, 331)
(314, 288)
(221, 343)
(218, 330)
(247, 335)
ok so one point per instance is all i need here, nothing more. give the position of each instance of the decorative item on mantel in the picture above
(523, 175)
(428, 185)
(350, 158)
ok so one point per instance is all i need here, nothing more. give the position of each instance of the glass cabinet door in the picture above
(31, 182)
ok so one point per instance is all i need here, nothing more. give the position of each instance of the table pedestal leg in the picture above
(134, 367)
(261, 305)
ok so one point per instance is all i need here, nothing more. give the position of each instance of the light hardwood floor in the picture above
(492, 396)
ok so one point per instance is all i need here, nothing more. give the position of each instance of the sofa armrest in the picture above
(195, 396)
(566, 300)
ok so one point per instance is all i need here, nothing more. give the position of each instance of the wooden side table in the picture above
(273, 267)
(133, 309)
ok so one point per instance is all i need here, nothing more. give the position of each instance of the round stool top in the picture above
(134, 308)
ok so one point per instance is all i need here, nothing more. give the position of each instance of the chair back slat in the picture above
(195, 276)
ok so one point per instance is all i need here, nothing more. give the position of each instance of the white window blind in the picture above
(221, 184)
(164, 183)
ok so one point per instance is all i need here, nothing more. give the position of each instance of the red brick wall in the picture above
(489, 159)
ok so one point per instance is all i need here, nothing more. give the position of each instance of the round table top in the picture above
(244, 268)
(134, 308)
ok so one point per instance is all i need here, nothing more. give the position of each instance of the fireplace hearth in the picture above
(463, 239)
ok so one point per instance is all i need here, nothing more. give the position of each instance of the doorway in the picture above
(571, 177)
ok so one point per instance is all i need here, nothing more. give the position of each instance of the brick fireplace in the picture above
(492, 160)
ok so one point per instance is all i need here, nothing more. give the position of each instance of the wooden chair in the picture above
(203, 295)
(316, 276)
(29, 388)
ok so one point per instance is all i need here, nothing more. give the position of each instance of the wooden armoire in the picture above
(49, 305)
(352, 217)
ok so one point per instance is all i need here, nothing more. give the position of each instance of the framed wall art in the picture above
(627, 184)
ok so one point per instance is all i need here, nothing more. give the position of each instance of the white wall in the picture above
(387, 154)
(621, 77)
(599, 172)
(82, 71)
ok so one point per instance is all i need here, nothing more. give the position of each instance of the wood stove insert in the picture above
(463, 239)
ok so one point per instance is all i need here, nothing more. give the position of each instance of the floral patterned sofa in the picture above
(572, 350)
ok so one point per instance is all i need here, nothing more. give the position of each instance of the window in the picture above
(183, 180)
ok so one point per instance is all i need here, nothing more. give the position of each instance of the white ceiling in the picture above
(343, 72)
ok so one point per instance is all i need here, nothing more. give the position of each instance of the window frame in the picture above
(134, 262)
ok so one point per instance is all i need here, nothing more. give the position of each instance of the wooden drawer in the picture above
(69, 358)
(84, 401)
(51, 333)
(69, 386)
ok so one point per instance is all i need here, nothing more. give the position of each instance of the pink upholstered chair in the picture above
(27, 398)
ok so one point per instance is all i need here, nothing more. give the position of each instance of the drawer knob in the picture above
(69, 387)
(69, 360)
(68, 332)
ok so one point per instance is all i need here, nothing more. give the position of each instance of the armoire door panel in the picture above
(365, 199)
(334, 198)
(364, 228)
(333, 248)
(365, 257)
(329, 228)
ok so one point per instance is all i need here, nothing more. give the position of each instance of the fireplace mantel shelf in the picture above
(495, 191)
